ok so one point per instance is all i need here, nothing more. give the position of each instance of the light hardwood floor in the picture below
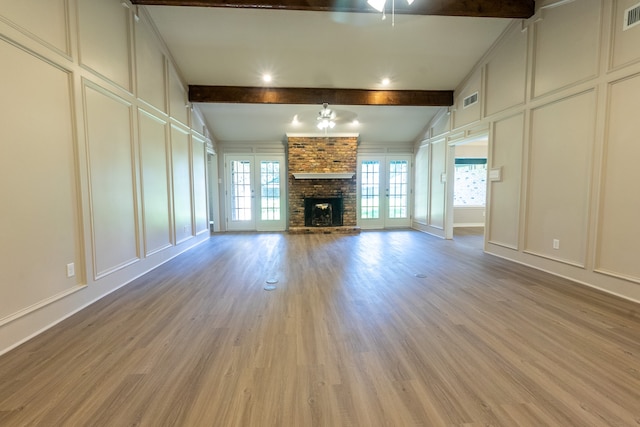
(351, 337)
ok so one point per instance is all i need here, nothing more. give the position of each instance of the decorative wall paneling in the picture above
(107, 57)
(181, 174)
(45, 22)
(618, 227)
(503, 195)
(437, 189)
(462, 115)
(178, 97)
(421, 188)
(90, 162)
(199, 187)
(567, 41)
(624, 44)
(441, 124)
(505, 74)
(151, 66)
(155, 178)
(566, 147)
(562, 137)
(39, 207)
(112, 181)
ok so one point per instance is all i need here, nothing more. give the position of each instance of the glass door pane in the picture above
(383, 191)
(272, 200)
(240, 193)
(251, 175)
(241, 190)
(269, 190)
(398, 179)
(370, 189)
(398, 188)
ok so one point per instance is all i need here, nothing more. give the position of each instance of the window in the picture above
(470, 186)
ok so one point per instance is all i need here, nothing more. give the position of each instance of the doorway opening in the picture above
(467, 200)
(384, 189)
(255, 193)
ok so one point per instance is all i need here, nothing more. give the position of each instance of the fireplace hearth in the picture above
(323, 212)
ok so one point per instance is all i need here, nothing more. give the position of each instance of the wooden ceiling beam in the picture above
(265, 95)
(517, 9)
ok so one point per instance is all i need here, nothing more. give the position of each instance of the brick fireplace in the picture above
(323, 169)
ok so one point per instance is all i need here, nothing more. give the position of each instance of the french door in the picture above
(255, 193)
(384, 191)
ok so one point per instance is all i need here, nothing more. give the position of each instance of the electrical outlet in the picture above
(71, 270)
(556, 244)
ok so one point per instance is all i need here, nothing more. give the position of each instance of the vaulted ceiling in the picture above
(316, 53)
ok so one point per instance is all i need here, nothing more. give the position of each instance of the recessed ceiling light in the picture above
(355, 122)
(266, 78)
(385, 81)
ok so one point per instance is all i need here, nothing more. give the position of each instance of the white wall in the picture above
(560, 94)
(103, 166)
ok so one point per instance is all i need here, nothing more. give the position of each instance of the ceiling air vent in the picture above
(631, 17)
(470, 100)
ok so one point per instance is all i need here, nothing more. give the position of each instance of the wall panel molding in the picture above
(109, 58)
(199, 188)
(46, 23)
(155, 182)
(112, 180)
(561, 32)
(618, 231)
(506, 150)
(181, 184)
(558, 203)
(623, 49)
(38, 163)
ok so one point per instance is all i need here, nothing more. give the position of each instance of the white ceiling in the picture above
(234, 47)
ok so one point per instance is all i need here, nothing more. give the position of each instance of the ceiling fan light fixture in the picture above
(325, 124)
(377, 4)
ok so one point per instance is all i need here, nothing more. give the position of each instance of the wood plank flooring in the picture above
(351, 337)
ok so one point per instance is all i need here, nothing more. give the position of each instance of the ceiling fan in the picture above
(379, 6)
(327, 118)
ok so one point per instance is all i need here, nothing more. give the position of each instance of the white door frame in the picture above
(383, 221)
(271, 224)
(255, 223)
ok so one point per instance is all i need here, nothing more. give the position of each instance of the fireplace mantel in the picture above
(324, 175)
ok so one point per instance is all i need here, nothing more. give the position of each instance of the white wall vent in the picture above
(470, 100)
(631, 17)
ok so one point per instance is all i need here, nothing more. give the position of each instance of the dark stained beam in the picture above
(263, 95)
(518, 9)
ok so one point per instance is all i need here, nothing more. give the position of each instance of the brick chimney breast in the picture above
(322, 155)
